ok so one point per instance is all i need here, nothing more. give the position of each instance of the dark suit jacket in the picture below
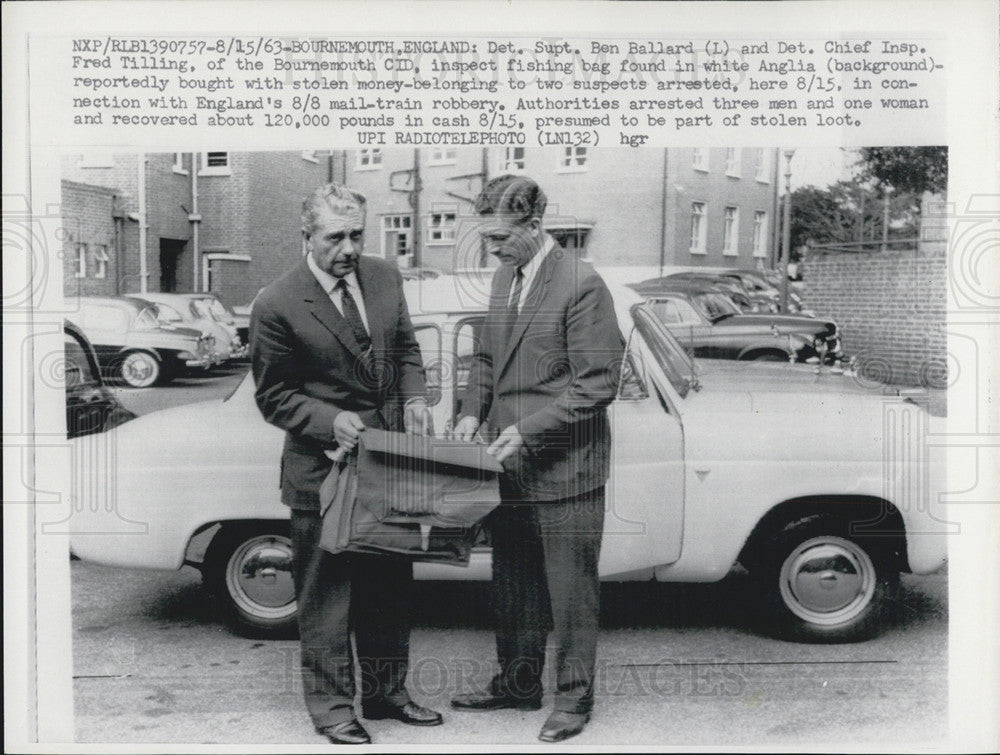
(553, 379)
(306, 364)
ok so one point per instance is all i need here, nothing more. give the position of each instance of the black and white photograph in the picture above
(431, 390)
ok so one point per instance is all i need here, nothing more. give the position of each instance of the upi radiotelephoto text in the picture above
(528, 91)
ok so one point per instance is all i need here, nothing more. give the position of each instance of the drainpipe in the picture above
(195, 218)
(143, 269)
(417, 252)
(663, 216)
(119, 220)
(775, 214)
(343, 167)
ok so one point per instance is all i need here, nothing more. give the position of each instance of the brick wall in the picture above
(88, 225)
(890, 308)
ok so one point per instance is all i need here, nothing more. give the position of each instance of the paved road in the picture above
(153, 662)
(183, 390)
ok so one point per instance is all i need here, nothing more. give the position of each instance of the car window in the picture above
(101, 317)
(199, 308)
(166, 313)
(146, 319)
(713, 306)
(675, 363)
(429, 338)
(79, 370)
(468, 338)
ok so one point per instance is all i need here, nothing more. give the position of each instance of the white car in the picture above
(823, 489)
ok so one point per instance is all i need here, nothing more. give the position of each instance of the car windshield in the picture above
(670, 355)
(79, 370)
(146, 319)
(715, 306)
(166, 313)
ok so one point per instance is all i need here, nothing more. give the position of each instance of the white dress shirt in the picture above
(329, 284)
(529, 270)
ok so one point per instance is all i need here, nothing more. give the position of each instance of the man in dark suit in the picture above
(333, 351)
(541, 379)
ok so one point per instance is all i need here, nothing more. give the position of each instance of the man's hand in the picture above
(464, 429)
(509, 443)
(417, 418)
(347, 427)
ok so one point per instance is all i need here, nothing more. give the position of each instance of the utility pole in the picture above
(786, 236)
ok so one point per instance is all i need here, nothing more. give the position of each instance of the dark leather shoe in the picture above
(483, 701)
(410, 713)
(347, 733)
(561, 725)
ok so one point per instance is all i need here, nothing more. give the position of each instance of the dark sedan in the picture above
(711, 326)
(91, 407)
(132, 346)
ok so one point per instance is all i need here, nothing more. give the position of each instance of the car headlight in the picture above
(186, 355)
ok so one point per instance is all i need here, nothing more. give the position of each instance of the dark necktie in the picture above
(513, 299)
(353, 316)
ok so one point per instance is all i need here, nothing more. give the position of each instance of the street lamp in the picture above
(786, 236)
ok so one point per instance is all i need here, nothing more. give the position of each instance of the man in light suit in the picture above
(333, 351)
(541, 380)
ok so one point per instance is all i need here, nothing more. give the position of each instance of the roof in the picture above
(674, 285)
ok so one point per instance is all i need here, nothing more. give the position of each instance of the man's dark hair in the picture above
(512, 195)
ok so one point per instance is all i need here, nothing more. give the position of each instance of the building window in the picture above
(214, 164)
(81, 261)
(573, 239)
(699, 159)
(97, 159)
(731, 231)
(397, 238)
(178, 166)
(369, 158)
(733, 162)
(572, 159)
(511, 160)
(699, 229)
(762, 165)
(441, 228)
(447, 156)
(760, 233)
(101, 261)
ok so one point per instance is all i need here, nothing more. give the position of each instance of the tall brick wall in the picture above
(88, 220)
(890, 308)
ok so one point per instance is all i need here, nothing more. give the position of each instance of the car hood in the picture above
(788, 385)
(782, 322)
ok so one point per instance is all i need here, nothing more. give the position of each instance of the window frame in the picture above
(734, 157)
(762, 166)
(375, 158)
(507, 164)
(443, 156)
(214, 170)
(101, 259)
(431, 229)
(178, 166)
(81, 260)
(571, 153)
(731, 232)
(760, 233)
(700, 159)
(699, 245)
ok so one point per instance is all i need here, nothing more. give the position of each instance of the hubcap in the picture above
(259, 577)
(138, 369)
(827, 580)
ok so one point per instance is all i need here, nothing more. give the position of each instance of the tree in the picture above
(911, 170)
(848, 212)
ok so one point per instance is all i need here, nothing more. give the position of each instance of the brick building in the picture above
(228, 222)
(640, 207)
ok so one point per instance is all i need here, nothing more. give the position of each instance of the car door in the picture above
(644, 518)
(687, 325)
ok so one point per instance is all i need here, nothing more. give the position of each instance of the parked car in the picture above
(133, 346)
(731, 288)
(767, 283)
(714, 463)
(241, 320)
(91, 407)
(196, 311)
(713, 327)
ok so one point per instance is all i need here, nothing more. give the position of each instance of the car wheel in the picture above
(138, 369)
(821, 585)
(250, 569)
